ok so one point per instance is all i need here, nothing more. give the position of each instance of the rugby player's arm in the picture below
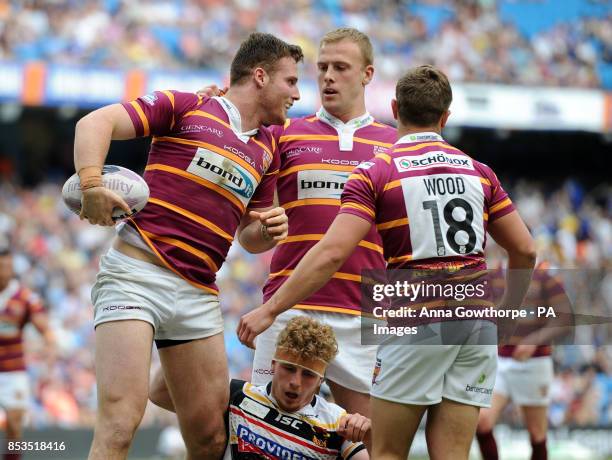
(311, 274)
(41, 323)
(511, 233)
(93, 134)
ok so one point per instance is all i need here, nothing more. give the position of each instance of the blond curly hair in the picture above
(309, 339)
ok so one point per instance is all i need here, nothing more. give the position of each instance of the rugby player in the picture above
(286, 418)
(212, 173)
(413, 379)
(317, 154)
(18, 306)
(524, 371)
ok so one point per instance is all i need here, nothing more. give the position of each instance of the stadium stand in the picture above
(559, 180)
(513, 42)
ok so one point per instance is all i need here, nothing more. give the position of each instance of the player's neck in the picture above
(403, 130)
(246, 104)
(349, 113)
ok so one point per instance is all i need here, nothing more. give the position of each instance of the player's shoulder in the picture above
(326, 412)
(241, 390)
(300, 123)
(174, 97)
(383, 132)
(236, 386)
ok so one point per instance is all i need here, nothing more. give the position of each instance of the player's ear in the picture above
(444, 118)
(394, 108)
(261, 77)
(368, 74)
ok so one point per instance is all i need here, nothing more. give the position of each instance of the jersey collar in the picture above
(233, 114)
(355, 123)
(420, 137)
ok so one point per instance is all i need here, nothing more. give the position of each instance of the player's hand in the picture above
(523, 352)
(97, 206)
(254, 323)
(354, 427)
(211, 90)
(274, 222)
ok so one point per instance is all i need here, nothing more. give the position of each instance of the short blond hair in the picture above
(309, 339)
(354, 35)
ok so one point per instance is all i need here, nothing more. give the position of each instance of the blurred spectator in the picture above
(467, 39)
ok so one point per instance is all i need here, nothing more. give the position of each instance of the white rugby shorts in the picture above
(526, 383)
(128, 288)
(353, 366)
(424, 372)
(14, 390)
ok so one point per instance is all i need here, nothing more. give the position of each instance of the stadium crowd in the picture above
(469, 40)
(57, 256)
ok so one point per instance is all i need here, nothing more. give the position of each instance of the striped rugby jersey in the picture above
(430, 202)
(317, 155)
(544, 290)
(203, 173)
(259, 429)
(17, 306)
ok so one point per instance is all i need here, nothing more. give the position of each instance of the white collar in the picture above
(355, 123)
(235, 120)
(345, 130)
(425, 136)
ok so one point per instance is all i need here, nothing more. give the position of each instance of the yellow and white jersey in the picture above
(258, 428)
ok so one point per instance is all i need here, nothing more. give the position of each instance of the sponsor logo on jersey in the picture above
(193, 128)
(379, 149)
(149, 98)
(239, 153)
(335, 161)
(433, 160)
(253, 407)
(267, 446)
(306, 149)
(365, 165)
(224, 172)
(264, 371)
(321, 184)
(424, 137)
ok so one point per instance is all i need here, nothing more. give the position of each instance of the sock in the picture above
(539, 450)
(488, 446)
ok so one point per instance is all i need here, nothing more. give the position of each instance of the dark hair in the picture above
(261, 50)
(423, 95)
